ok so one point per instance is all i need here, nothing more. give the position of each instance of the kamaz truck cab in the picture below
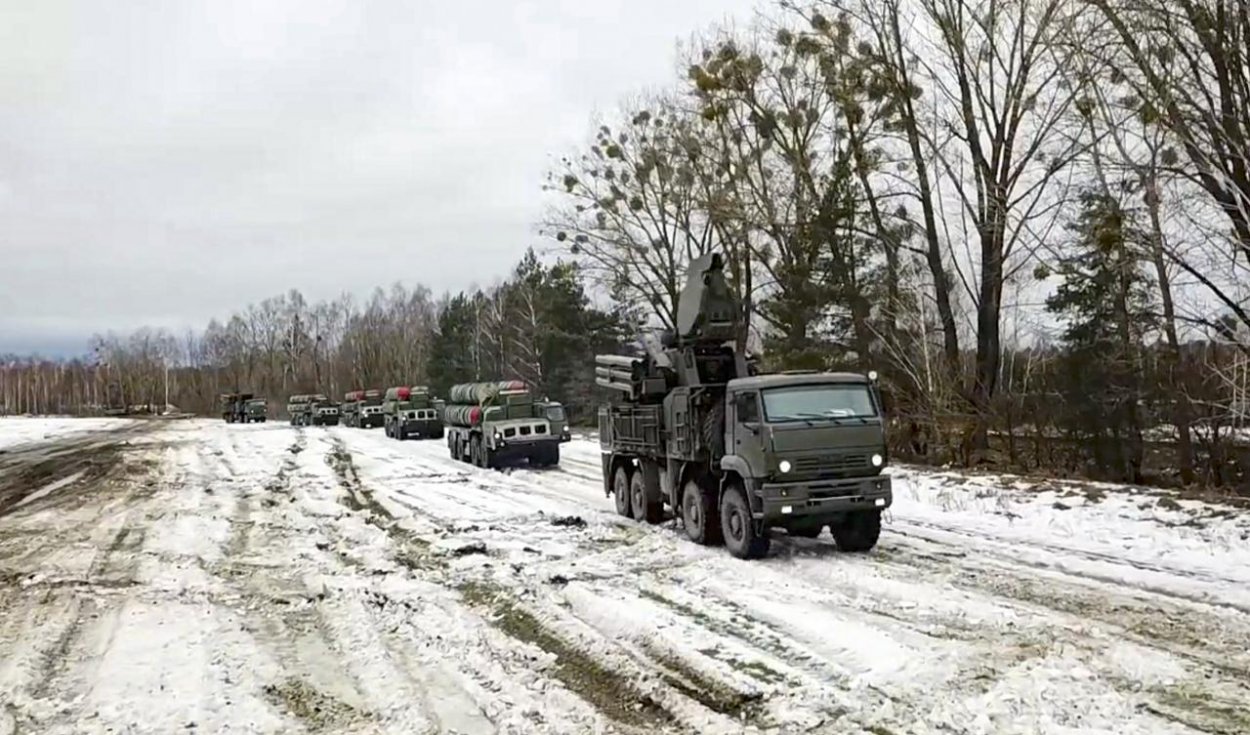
(807, 448)
(256, 410)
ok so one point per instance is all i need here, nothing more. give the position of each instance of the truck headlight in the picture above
(877, 460)
(784, 465)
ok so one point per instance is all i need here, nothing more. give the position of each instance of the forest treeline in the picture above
(1032, 217)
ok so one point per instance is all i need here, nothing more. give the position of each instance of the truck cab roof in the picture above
(777, 380)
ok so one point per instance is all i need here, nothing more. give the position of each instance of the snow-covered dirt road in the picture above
(196, 576)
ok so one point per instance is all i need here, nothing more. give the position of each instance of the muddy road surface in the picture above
(195, 576)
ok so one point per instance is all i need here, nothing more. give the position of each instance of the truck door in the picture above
(746, 429)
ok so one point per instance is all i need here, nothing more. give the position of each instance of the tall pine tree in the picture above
(1105, 301)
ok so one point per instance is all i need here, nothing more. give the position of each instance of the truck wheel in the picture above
(644, 512)
(740, 535)
(857, 531)
(699, 515)
(620, 490)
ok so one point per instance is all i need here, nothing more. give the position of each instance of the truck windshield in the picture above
(821, 401)
(555, 413)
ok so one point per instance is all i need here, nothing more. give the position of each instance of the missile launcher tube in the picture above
(476, 394)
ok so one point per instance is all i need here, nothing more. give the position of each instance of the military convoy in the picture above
(735, 453)
(412, 412)
(243, 408)
(362, 409)
(498, 424)
(312, 409)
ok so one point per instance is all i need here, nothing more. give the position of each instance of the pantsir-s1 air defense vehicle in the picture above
(410, 411)
(736, 453)
(495, 424)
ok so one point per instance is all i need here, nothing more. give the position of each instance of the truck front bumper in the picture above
(423, 429)
(781, 501)
(372, 422)
(507, 451)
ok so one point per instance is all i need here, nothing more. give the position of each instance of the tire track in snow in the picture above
(606, 687)
(988, 672)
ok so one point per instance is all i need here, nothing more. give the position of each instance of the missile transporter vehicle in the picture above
(313, 409)
(735, 453)
(410, 411)
(362, 409)
(498, 424)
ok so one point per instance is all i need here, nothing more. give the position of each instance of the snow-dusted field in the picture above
(261, 578)
(21, 430)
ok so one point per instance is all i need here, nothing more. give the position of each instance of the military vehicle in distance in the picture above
(255, 410)
(362, 409)
(410, 411)
(558, 417)
(296, 406)
(313, 409)
(733, 452)
(242, 408)
(498, 424)
(234, 407)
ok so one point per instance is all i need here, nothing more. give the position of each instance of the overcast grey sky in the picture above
(162, 162)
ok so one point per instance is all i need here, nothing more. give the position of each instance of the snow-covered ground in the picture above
(262, 578)
(15, 431)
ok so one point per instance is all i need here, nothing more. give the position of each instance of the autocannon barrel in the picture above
(619, 361)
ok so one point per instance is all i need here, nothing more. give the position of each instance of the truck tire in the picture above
(699, 514)
(741, 537)
(620, 490)
(645, 512)
(857, 532)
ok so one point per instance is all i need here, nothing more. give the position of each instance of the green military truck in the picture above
(362, 409)
(558, 417)
(242, 408)
(255, 410)
(410, 411)
(234, 407)
(313, 409)
(735, 453)
(498, 424)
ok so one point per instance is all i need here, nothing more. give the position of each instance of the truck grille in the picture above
(831, 465)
